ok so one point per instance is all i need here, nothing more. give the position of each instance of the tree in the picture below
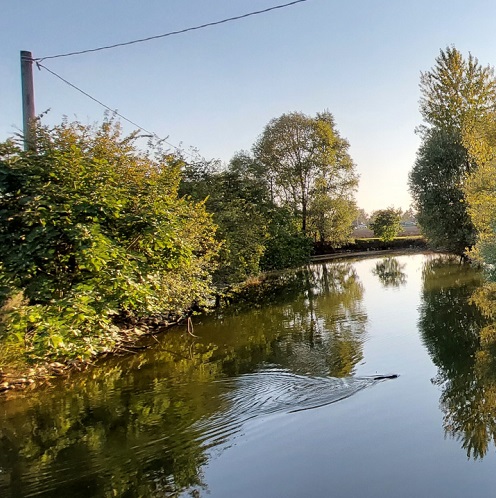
(286, 246)
(480, 192)
(93, 233)
(302, 155)
(331, 218)
(361, 217)
(457, 94)
(409, 215)
(436, 184)
(235, 198)
(255, 234)
(386, 223)
(456, 91)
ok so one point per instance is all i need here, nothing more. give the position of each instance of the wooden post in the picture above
(28, 113)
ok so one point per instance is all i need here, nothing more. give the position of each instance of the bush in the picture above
(286, 246)
(93, 231)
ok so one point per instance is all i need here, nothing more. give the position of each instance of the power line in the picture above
(152, 134)
(201, 26)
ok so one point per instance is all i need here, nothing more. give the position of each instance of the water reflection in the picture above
(145, 425)
(390, 272)
(124, 431)
(136, 426)
(450, 323)
(328, 327)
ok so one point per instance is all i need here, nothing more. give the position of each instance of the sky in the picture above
(216, 89)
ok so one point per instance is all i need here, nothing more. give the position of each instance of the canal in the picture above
(288, 396)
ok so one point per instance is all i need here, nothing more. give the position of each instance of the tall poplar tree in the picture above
(456, 91)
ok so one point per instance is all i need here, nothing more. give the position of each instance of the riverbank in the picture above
(17, 375)
(359, 245)
(365, 254)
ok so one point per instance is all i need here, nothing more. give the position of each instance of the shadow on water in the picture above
(142, 425)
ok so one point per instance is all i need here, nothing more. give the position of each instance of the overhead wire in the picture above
(172, 33)
(151, 133)
(40, 66)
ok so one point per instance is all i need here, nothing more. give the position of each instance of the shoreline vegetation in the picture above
(102, 242)
(137, 337)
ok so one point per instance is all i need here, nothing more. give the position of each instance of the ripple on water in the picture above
(269, 392)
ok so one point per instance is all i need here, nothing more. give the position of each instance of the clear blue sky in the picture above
(216, 89)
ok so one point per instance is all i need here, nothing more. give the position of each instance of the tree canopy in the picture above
(386, 223)
(457, 94)
(97, 234)
(436, 184)
(308, 168)
(456, 91)
(480, 193)
(255, 234)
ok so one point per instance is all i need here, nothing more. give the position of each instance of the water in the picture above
(280, 399)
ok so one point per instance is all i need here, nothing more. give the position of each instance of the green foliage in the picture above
(436, 185)
(234, 197)
(286, 246)
(457, 96)
(307, 163)
(331, 218)
(480, 192)
(93, 231)
(375, 244)
(386, 223)
(256, 235)
(456, 92)
(298, 183)
(243, 231)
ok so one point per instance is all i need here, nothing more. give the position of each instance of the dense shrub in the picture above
(92, 231)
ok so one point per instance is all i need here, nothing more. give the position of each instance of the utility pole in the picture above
(28, 113)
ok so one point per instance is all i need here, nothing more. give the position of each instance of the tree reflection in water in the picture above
(390, 272)
(130, 426)
(327, 326)
(460, 342)
(122, 430)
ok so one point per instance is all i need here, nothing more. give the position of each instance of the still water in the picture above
(281, 399)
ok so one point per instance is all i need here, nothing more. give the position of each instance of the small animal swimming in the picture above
(383, 377)
(272, 391)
